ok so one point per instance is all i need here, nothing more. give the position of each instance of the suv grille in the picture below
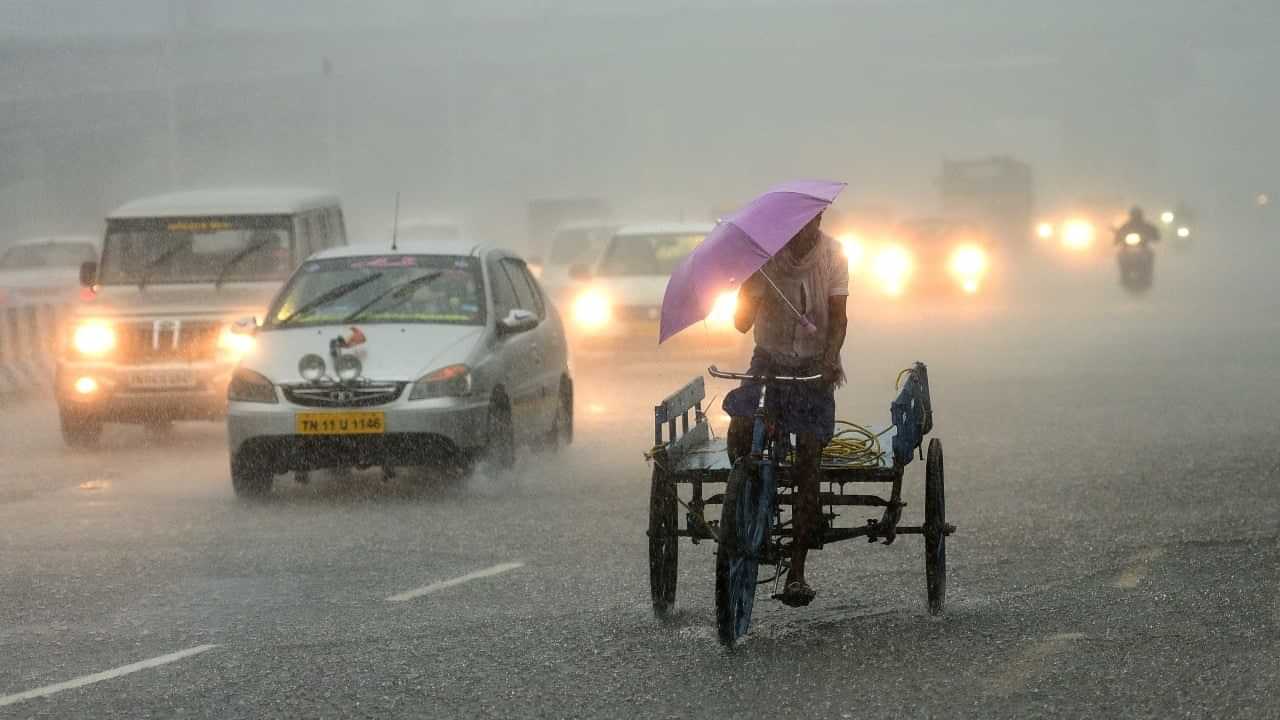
(335, 396)
(167, 341)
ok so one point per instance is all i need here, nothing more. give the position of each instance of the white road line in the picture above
(437, 586)
(105, 675)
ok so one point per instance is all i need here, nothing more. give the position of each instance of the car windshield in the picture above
(47, 255)
(431, 289)
(655, 254)
(197, 250)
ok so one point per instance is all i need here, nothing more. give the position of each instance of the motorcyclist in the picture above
(1147, 233)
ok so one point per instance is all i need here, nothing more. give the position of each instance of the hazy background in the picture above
(665, 108)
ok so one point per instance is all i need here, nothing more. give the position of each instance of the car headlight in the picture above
(1044, 230)
(892, 267)
(451, 381)
(968, 263)
(592, 310)
(1166, 217)
(854, 250)
(1184, 232)
(235, 344)
(249, 386)
(1077, 234)
(721, 315)
(94, 338)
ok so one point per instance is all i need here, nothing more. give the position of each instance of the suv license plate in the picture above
(162, 379)
(350, 423)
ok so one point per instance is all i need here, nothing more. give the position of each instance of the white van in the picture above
(152, 342)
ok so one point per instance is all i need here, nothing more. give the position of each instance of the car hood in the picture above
(390, 351)
(40, 278)
(635, 290)
(232, 301)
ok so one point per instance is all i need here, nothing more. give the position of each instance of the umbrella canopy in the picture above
(739, 246)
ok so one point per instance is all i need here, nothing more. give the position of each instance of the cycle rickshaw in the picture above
(752, 529)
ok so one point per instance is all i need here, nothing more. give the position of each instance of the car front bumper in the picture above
(414, 432)
(115, 400)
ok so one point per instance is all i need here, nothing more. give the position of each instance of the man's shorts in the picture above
(800, 408)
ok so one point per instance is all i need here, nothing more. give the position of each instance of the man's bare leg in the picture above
(805, 520)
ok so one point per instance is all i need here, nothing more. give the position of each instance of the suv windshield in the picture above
(437, 289)
(47, 255)
(647, 254)
(197, 250)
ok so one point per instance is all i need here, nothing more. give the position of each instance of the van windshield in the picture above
(197, 250)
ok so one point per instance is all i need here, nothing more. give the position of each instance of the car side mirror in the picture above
(88, 273)
(579, 271)
(517, 321)
(247, 325)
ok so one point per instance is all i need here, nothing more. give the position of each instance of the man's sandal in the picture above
(796, 594)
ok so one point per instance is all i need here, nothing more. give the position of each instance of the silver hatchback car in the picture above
(439, 354)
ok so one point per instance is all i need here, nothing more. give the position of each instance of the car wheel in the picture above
(80, 430)
(501, 452)
(249, 478)
(561, 433)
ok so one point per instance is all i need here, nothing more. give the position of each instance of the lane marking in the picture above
(437, 586)
(48, 690)
(1138, 569)
(1026, 665)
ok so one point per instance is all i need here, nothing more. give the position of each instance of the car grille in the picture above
(167, 341)
(344, 396)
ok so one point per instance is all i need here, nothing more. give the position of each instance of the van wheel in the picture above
(80, 430)
(249, 479)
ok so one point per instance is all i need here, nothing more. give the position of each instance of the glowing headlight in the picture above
(968, 263)
(1044, 230)
(235, 344)
(854, 250)
(451, 381)
(721, 315)
(1133, 239)
(1184, 232)
(592, 310)
(892, 267)
(94, 338)
(1077, 234)
(1166, 217)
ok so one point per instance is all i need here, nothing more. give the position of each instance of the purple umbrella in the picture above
(738, 247)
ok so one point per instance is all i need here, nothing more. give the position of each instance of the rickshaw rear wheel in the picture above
(664, 544)
(743, 525)
(935, 524)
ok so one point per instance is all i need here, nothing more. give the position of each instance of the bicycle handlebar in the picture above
(716, 372)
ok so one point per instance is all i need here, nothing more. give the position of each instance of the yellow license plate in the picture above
(349, 423)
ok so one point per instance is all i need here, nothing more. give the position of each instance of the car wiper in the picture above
(328, 297)
(154, 265)
(235, 260)
(395, 289)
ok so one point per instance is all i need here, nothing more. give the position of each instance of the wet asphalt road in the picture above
(1114, 473)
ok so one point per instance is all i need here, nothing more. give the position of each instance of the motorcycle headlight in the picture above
(1133, 239)
(235, 344)
(249, 386)
(94, 338)
(451, 381)
(592, 310)
(1184, 232)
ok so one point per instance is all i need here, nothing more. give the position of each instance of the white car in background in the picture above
(44, 269)
(435, 354)
(574, 248)
(617, 302)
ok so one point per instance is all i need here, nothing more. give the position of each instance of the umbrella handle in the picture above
(805, 322)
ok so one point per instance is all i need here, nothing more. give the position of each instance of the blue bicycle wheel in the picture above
(744, 519)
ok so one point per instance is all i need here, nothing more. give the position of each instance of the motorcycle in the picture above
(1137, 264)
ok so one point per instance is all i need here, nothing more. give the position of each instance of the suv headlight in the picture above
(249, 386)
(94, 338)
(451, 381)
